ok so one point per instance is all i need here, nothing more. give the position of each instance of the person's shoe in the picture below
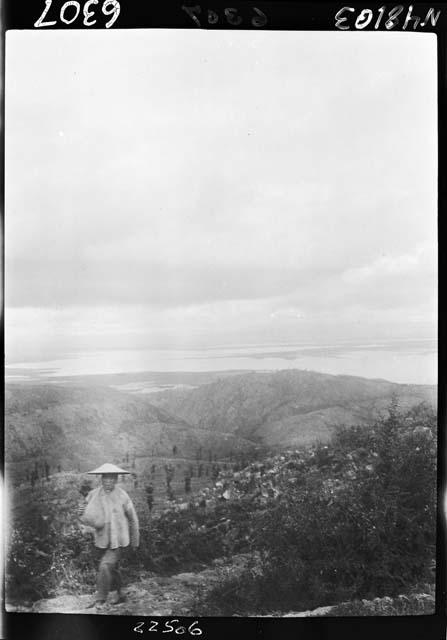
(117, 598)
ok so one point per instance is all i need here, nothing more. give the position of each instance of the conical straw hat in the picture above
(107, 468)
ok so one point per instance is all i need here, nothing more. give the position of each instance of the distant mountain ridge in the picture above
(290, 407)
(78, 425)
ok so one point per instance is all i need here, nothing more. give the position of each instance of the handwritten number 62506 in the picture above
(231, 15)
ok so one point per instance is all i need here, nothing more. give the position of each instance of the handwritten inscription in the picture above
(230, 15)
(397, 16)
(170, 627)
(70, 12)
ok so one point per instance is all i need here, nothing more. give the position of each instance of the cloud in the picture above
(236, 184)
(72, 283)
(287, 313)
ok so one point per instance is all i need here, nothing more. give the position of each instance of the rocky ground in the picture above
(155, 595)
(150, 595)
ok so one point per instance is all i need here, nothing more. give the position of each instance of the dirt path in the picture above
(151, 594)
(154, 595)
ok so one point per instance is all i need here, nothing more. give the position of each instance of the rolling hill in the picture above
(288, 408)
(79, 426)
(76, 426)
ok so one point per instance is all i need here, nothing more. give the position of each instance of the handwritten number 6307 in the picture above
(231, 16)
(71, 10)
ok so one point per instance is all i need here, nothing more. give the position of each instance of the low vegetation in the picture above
(348, 521)
(47, 551)
(420, 603)
(354, 520)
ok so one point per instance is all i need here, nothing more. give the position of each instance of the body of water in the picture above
(406, 361)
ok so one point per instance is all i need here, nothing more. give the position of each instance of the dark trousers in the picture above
(109, 577)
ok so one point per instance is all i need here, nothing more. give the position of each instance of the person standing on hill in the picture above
(150, 496)
(169, 474)
(187, 483)
(111, 513)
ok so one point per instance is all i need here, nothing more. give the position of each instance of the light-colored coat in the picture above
(113, 517)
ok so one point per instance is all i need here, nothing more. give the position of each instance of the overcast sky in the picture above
(192, 188)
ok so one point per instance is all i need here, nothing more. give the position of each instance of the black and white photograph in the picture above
(221, 323)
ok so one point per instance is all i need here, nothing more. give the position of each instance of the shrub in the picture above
(422, 604)
(358, 522)
(47, 550)
(194, 537)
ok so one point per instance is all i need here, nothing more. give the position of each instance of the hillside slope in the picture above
(79, 426)
(288, 408)
(321, 525)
